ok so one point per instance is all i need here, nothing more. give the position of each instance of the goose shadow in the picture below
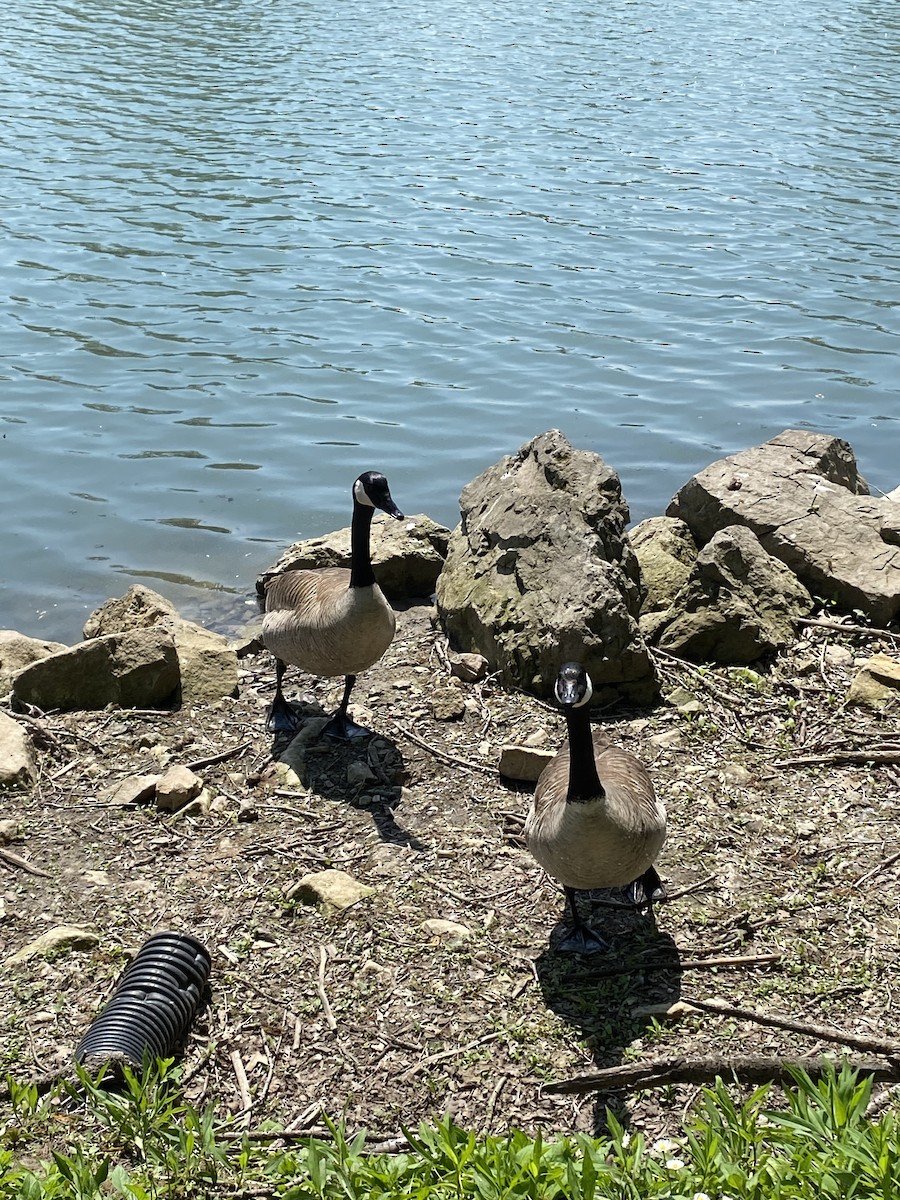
(608, 998)
(364, 773)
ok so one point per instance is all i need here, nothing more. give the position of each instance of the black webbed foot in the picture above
(647, 889)
(582, 939)
(282, 717)
(342, 729)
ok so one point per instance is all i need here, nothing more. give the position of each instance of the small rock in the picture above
(839, 656)
(99, 878)
(447, 704)
(359, 775)
(667, 739)
(136, 789)
(198, 807)
(285, 773)
(470, 668)
(57, 940)
(686, 702)
(674, 1011)
(177, 788)
(9, 831)
(247, 811)
(540, 737)
(737, 773)
(877, 684)
(17, 764)
(447, 931)
(523, 763)
(330, 891)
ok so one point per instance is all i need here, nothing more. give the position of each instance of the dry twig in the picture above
(240, 1075)
(442, 754)
(15, 860)
(841, 756)
(826, 1033)
(212, 759)
(320, 988)
(876, 870)
(455, 1052)
(749, 1068)
(819, 623)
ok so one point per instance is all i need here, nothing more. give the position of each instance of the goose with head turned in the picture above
(595, 821)
(331, 621)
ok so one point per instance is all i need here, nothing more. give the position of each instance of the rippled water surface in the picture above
(250, 248)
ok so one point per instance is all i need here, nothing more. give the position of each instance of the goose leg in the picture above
(340, 726)
(582, 939)
(647, 889)
(281, 717)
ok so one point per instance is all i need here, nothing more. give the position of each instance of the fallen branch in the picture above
(826, 1033)
(690, 889)
(841, 756)
(688, 964)
(380, 1143)
(753, 1069)
(729, 960)
(839, 628)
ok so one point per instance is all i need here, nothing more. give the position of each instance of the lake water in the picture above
(251, 247)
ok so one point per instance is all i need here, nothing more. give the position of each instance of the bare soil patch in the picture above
(367, 1015)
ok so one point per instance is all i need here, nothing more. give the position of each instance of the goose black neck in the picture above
(361, 573)
(584, 782)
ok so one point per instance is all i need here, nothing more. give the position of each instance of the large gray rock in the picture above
(207, 664)
(539, 571)
(666, 552)
(138, 669)
(738, 604)
(17, 763)
(407, 556)
(802, 496)
(139, 608)
(18, 651)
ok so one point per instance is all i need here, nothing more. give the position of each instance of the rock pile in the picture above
(540, 569)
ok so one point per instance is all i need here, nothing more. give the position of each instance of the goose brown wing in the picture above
(628, 786)
(300, 590)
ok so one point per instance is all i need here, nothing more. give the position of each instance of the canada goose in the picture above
(332, 621)
(594, 820)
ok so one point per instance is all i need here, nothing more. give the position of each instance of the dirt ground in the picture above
(791, 868)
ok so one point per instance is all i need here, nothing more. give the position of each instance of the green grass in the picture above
(143, 1141)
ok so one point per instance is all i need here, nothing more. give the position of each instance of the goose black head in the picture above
(573, 686)
(371, 490)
